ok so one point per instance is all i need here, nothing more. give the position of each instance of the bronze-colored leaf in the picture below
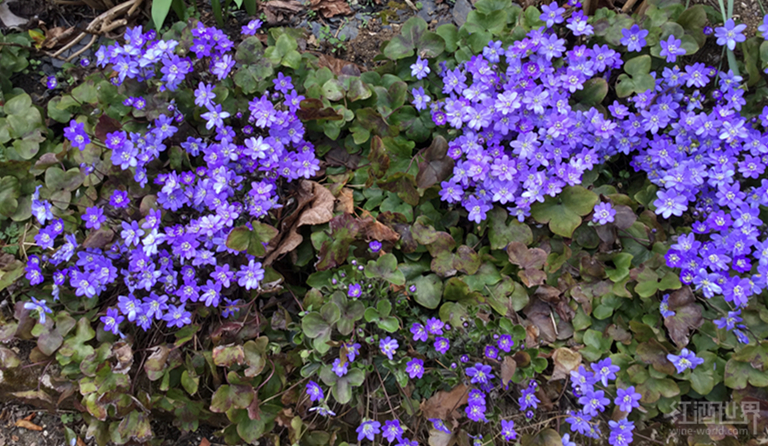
(315, 206)
(330, 8)
(442, 404)
(508, 367)
(313, 109)
(345, 202)
(437, 165)
(565, 360)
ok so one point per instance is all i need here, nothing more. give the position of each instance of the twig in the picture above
(83, 49)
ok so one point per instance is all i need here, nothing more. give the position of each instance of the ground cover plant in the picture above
(541, 227)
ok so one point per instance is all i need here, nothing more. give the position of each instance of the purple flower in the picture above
(621, 432)
(420, 99)
(52, 82)
(392, 430)
(94, 217)
(420, 69)
(477, 209)
(604, 213)
(605, 370)
(476, 412)
(119, 199)
(250, 275)
(112, 321)
(340, 369)
(353, 349)
(419, 332)
(567, 440)
(314, 391)
(435, 326)
(551, 14)
(508, 430)
(670, 203)
(442, 345)
(215, 117)
(177, 316)
(230, 306)
(251, 28)
(634, 38)
(686, 360)
(664, 306)
(729, 322)
(439, 425)
(594, 402)
(388, 346)
(76, 135)
(491, 352)
(415, 368)
(505, 343)
(480, 373)
(374, 246)
(204, 95)
(368, 429)
(671, 48)
(355, 290)
(528, 397)
(730, 33)
(627, 399)
(39, 306)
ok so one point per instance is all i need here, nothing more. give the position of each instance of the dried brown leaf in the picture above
(123, 353)
(28, 425)
(508, 368)
(442, 403)
(566, 360)
(334, 64)
(315, 206)
(330, 8)
(345, 202)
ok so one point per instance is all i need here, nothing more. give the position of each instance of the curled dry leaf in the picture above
(334, 64)
(443, 403)
(315, 207)
(122, 352)
(24, 424)
(566, 361)
(508, 368)
(330, 8)
(276, 11)
(376, 230)
(345, 202)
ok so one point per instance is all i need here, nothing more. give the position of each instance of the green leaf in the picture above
(160, 9)
(9, 194)
(501, 233)
(385, 267)
(563, 213)
(189, 382)
(429, 291)
(229, 397)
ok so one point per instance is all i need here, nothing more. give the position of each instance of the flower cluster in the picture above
(594, 402)
(520, 139)
(707, 160)
(174, 256)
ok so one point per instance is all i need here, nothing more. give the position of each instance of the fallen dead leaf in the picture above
(442, 403)
(345, 202)
(334, 64)
(566, 361)
(24, 424)
(330, 8)
(80, 442)
(276, 11)
(376, 230)
(10, 19)
(124, 355)
(315, 206)
(30, 417)
(440, 438)
(508, 368)
(204, 442)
